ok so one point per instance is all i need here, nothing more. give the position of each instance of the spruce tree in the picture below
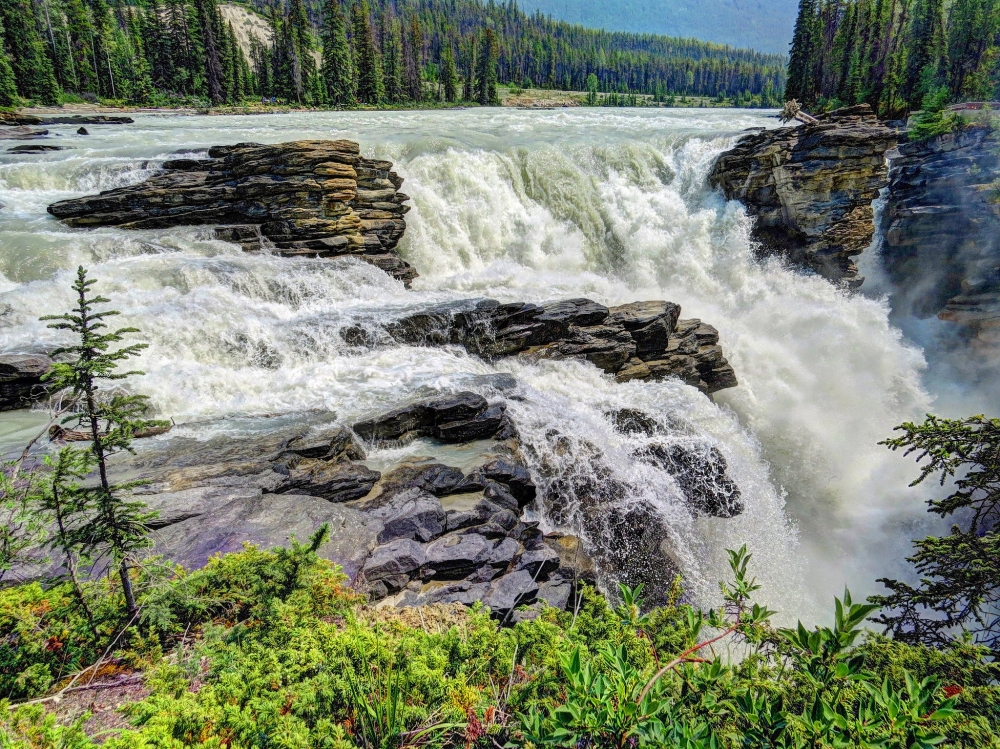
(486, 74)
(392, 59)
(209, 27)
(959, 574)
(926, 49)
(449, 75)
(367, 62)
(471, 65)
(804, 54)
(414, 54)
(338, 76)
(302, 41)
(114, 525)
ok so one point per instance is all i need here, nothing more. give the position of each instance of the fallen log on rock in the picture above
(314, 198)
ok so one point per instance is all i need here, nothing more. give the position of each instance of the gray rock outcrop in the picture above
(941, 226)
(305, 198)
(810, 188)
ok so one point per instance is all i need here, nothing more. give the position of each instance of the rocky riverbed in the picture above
(424, 528)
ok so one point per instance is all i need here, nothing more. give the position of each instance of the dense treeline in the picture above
(346, 52)
(893, 53)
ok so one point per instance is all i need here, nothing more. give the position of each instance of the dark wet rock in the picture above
(21, 379)
(540, 562)
(336, 444)
(435, 478)
(642, 340)
(702, 475)
(556, 593)
(83, 131)
(575, 562)
(456, 418)
(413, 514)
(811, 187)
(22, 133)
(510, 591)
(516, 478)
(317, 199)
(399, 558)
(334, 482)
(632, 421)
(35, 148)
(94, 119)
(456, 556)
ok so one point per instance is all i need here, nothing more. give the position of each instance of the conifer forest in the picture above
(340, 53)
(892, 53)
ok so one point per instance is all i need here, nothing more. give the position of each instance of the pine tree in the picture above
(115, 525)
(32, 67)
(337, 73)
(449, 75)
(367, 62)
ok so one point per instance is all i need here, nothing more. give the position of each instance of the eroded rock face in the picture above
(21, 379)
(307, 198)
(942, 232)
(811, 187)
(638, 341)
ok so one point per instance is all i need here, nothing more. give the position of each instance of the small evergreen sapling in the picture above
(112, 524)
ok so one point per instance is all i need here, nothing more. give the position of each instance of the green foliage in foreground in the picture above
(268, 649)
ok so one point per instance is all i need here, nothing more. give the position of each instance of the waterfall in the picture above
(527, 206)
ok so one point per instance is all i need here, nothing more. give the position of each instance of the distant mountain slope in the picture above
(765, 25)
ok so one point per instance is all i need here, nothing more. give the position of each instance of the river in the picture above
(514, 205)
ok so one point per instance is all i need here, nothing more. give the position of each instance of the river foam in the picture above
(515, 205)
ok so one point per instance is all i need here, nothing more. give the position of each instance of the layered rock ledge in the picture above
(811, 188)
(638, 341)
(306, 198)
(942, 231)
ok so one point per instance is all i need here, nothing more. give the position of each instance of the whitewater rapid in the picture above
(513, 205)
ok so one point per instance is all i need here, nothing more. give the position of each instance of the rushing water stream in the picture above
(514, 205)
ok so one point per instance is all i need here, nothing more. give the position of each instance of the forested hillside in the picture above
(893, 53)
(339, 52)
(759, 24)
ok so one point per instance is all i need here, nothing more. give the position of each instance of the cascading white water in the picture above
(514, 205)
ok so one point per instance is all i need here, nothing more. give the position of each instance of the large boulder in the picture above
(453, 418)
(811, 187)
(310, 198)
